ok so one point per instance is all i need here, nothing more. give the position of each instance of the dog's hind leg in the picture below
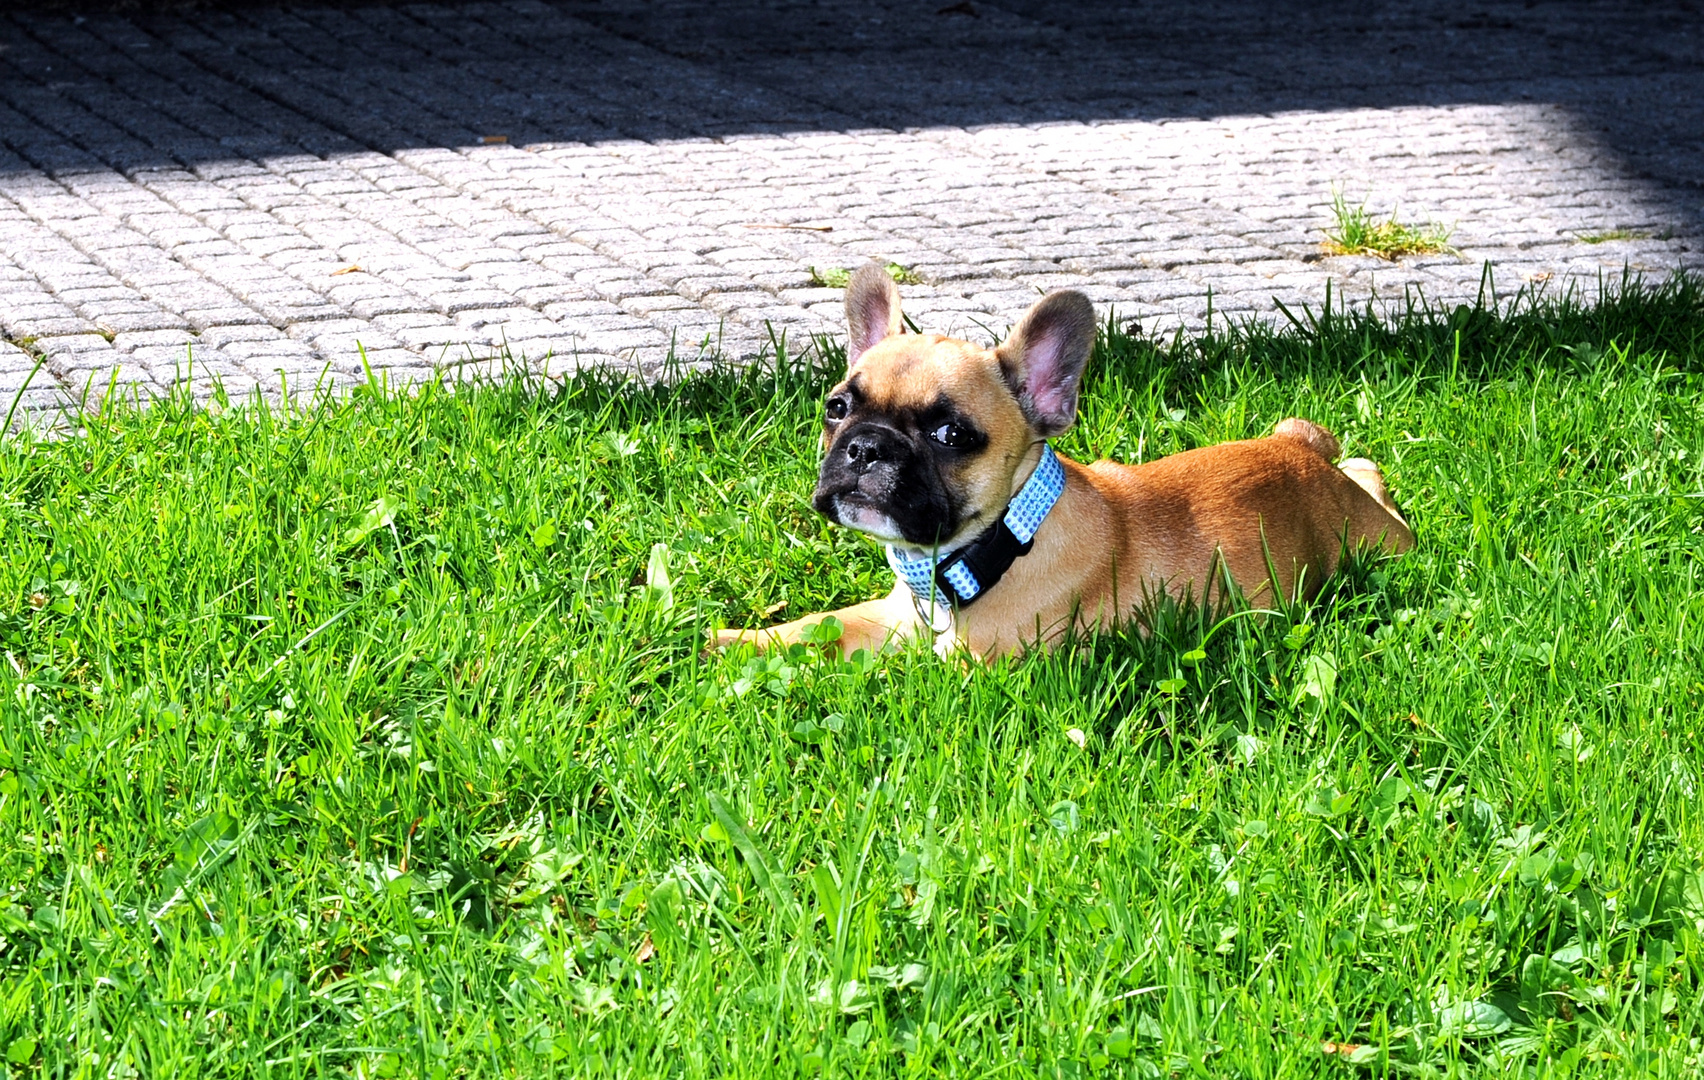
(1371, 480)
(1397, 536)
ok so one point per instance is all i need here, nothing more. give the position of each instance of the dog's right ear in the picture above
(872, 310)
(1043, 359)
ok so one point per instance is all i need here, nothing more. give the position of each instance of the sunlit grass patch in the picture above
(377, 738)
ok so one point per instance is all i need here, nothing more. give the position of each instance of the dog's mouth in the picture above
(890, 517)
(855, 511)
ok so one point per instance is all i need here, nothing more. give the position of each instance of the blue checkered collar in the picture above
(954, 579)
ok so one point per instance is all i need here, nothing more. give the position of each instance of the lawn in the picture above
(376, 739)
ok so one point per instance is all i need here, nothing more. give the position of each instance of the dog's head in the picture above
(924, 436)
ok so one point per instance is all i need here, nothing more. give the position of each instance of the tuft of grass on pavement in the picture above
(1608, 235)
(837, 278)
(1613, 234)
(1356, 232)
(376, 739)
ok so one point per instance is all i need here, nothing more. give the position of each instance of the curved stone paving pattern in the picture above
(259, 196)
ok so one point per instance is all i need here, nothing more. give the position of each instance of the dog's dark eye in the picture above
(836, 409)
(956, 436)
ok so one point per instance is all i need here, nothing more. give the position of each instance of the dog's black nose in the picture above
(867, 448)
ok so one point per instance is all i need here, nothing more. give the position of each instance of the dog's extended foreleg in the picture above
(869, 625)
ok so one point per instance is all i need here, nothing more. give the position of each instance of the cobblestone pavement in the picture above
(611, 181)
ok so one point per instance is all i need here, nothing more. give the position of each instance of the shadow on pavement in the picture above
(250, 78)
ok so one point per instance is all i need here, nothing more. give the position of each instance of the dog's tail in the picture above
(1309, 434)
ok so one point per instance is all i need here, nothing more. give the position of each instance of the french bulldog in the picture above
(939, 449)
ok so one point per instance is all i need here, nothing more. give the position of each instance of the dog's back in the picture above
(1277, 498)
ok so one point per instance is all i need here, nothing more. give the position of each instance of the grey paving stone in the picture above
(78, 350)
(17, 368)
(266, 356)
(42, 409)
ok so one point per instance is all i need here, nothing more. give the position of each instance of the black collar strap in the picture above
(986, 559)
(959, 577)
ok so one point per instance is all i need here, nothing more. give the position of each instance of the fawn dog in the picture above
(938, 448)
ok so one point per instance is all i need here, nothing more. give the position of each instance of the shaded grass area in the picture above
(376, 739)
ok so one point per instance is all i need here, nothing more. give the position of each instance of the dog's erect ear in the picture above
(872, 310)
(1043, 359)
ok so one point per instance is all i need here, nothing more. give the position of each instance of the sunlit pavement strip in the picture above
(247, 196)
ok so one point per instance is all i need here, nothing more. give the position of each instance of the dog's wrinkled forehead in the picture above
(908, 372)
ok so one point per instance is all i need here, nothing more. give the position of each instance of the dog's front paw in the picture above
(724, 639)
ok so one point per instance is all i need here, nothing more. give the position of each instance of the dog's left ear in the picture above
(872, 310)
(1043, 359)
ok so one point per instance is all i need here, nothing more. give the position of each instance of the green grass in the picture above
(1356, 232)
(376, 739)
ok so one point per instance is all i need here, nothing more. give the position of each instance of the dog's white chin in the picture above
(867, 519)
